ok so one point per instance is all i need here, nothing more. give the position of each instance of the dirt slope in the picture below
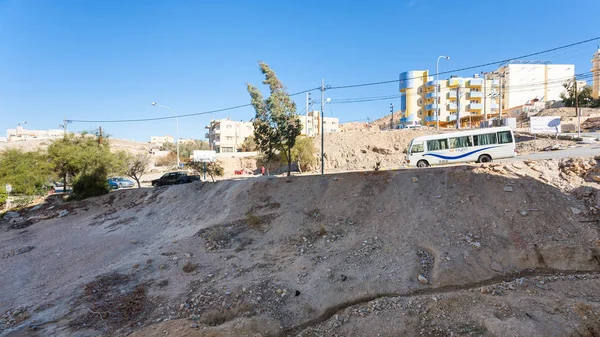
(496, 250)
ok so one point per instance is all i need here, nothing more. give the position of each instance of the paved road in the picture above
(578, 151)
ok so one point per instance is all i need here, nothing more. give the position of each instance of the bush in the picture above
(168, 160)
(90, 185)
(303, 153)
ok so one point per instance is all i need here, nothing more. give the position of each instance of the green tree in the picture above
(213, 169)
(88, 160)
(584, 95)
(249, 145)
(29, 173)
(276, 124)
(303, 153)
(136, 166)
(186, 149)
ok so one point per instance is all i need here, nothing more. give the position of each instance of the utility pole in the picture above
(100, 135)
(306, 121)
(484, 98)
(501, 84)
(322, 127)
(458, 106)
(577, 108)
(392, 120)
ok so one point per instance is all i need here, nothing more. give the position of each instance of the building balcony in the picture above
(432, 95)
(433, 106)
(452, 107)
(451, 95)
(454, 82)
(495, 83)
(475, 106)
(452, 117)
(408, 119)
(475, 82)
(494, 106)
(432, 84)
(475, 95)
(430, 119)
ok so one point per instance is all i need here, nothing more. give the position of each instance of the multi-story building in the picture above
(312, 127)
(523, 81)
(162, 140)
(225, 135)
(596, 74)
(20, 133)
(466, 99)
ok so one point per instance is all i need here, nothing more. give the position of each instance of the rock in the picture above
(297, 293)
(133, 242)
(162, 267)
(596, 179)
(523, 213)
(508, 189)
(495, 266)
(10, 215)
(17, 220)
(415, 179)
(422, 279)
(575, 210)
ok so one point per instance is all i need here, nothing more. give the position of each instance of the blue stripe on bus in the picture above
(459, 156)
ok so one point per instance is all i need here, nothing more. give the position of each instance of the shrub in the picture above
(90, 185)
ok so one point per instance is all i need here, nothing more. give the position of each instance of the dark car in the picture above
(174, 178)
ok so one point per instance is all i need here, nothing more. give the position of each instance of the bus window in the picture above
(437, 144)
(416, 148)
(504, 137)
(460, 142)
(486, 139)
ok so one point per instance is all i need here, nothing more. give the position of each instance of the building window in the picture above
(229, 137)
(228, 126)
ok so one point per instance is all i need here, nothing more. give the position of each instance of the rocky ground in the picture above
(476, 250)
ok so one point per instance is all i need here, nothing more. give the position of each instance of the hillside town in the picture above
(368, 178)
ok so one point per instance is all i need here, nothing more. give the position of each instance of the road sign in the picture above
(548, 124)
(204, 156)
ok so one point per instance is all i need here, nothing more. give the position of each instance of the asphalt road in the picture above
(578, 151)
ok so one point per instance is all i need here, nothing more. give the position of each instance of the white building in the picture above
(225, 135)
(20, 134)
(529, 80)
(162, 139)
(312, 127)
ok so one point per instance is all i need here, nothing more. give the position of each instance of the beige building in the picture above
(162, 139)
(225, 135)
(596, 74)
(524, 81)
(312, 127)
(21, 134)
(468, 99)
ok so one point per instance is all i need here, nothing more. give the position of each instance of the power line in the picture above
(472, 67)
(176, 116)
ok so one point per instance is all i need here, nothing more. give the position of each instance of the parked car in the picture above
(113, 185)
(174, 178)
(122, 182)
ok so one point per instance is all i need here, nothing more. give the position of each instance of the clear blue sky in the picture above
(100, 60)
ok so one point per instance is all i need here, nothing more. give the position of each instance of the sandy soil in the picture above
(495, 250)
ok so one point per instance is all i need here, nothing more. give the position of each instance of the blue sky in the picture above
(107, 60)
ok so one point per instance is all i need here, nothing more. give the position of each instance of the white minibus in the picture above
(480, 145)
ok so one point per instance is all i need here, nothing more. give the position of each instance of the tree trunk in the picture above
(299, 167)
(65, 183)
(289, 161)
(137, 180)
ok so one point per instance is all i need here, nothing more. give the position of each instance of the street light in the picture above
(177, 125)
(437, 80)
(323, 101)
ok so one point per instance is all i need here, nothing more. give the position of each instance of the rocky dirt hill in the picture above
(496, 250)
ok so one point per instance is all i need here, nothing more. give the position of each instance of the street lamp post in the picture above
(177, 128)
(323, 101)
(437, 79)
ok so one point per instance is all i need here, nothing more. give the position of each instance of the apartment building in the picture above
(524, 81)
(22, 134)
(467, 99)
(312, 127)
(159, 140)
(225, 135)
(596, 74)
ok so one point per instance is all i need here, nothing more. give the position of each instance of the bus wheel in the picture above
(422, 163)
(484, 158)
